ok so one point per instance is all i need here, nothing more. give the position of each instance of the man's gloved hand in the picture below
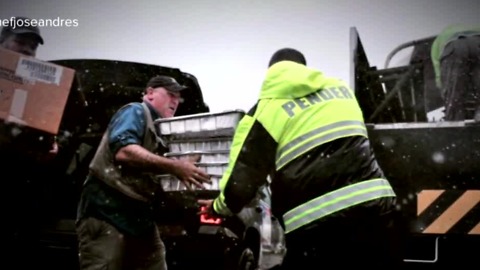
(207, 208)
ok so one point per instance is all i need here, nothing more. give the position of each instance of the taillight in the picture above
(206, 219)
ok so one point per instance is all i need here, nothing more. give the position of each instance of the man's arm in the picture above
(134, 155)
(126, 135)
(435, 57)
(252, 158)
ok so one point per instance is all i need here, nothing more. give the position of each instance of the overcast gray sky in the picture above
(227, 44)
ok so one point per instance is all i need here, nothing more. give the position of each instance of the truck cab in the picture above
(431, 163)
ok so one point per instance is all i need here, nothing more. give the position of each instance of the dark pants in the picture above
(102, 246)
(460, 75)
(25, 208)
(362, 241)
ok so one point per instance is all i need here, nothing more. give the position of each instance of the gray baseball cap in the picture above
(22, 27)
(167, 82)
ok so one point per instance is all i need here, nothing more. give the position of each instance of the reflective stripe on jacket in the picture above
(335, 201)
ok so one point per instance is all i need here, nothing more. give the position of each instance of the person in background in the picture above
(307, 133)
(25, 157)
(116, 213)
(20, 38)
(25, 40)
(455, 55)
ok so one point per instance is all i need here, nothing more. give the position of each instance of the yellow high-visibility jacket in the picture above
(307, 132)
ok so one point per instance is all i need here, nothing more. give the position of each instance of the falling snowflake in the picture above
(438, 157)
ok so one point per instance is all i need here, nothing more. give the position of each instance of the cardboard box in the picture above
(33, 92)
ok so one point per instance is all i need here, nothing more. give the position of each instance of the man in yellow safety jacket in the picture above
(455, 55)
(307, 132)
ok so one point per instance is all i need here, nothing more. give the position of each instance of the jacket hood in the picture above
(287, 79)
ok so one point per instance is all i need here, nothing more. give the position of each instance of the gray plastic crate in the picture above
(207, 144)
(200, 156)
(171, 183)
(202, 125)
(213, 168)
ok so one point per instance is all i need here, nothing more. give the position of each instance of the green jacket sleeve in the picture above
(252, 158)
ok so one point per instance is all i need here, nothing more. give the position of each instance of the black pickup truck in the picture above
(99, 89)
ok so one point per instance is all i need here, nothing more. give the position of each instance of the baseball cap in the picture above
(22, 27)
(167, 82)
